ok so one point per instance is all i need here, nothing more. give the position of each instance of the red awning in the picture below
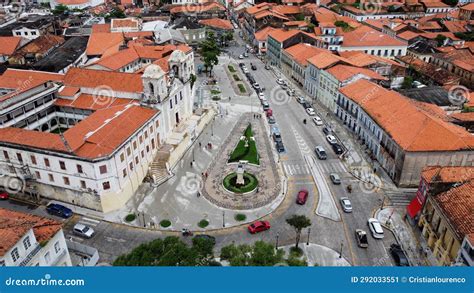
(413, 208)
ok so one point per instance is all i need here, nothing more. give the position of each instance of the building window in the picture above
(136, 160)
(62, 165)
(141, 139)
(33, 159)
(19, 157)
(46, 162)
(171, 104)
(2, 263)
(135, 145)
(153, 143)
(147, 148)
(83, 184)
(124, 173)
(27, 243)
(15, 255)
(5, 154)
(106, 185)
(38, 175)
(103, 169)
(131, 166)
(47, 257)
(79, 169)
(51, 177)
(146, 134)
(122, 157)
(142, 153)
(128, 151)
(66, 180)
(57, 248)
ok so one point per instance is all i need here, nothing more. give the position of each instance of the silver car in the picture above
(335, 178)
(83, 230)
(375, 228)
(346, 204)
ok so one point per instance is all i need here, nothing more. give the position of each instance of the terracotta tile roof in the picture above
(101, 28)
(217, 23)
(408, 35)
(457, 26)
(325, 59)
(467, 116)
(361, 59)
(259, 7)
(30, 138)
(292, 1)
(469, 7)
(412, 128)
(431, 4)
(133, 35)
(462, 57)
(89, 102)
(100, 42)
(365, 36)
(105, 130)
(72, 2)
(433, 36)
(69, 91)
(14, 78)
(344, 72)
(40, 45)
(301, 52)
(8, 45)
(296, 23)
(447, 174)
(281, 35)
(457, 204)
(14, 225)
(198, 8)
(262, 34)
(124, 23)
(471, 238)
(287, 10)
(117, 81)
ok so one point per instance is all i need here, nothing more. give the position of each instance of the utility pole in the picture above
(340, 252)
(223, 219)
(276, 243)
(309, 232)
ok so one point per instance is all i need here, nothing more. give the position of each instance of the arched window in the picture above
(152, 89)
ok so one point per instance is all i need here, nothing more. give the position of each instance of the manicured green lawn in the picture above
(236, 77)
(249, 153)
(241, 88)
(251, 182)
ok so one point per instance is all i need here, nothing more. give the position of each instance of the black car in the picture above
(337, 148)
(241, 64)
(206, 237)
(327, 130)
(59, 210)
(279, 146)
(253, 66)
(398, 255)
(306, 105)
(277, 137)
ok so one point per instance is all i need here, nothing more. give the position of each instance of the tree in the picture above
(298, 222)
(210, 51)
(60, 9)
(440, 39)
(116, 13)
(407, 82)
(260, 254)
(451, 2)
(192, 79)
(170, 251)
(229, 36)
(467, 36)
(299, 17)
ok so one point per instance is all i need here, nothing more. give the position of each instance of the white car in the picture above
(246, 70)
(280, 81)
(300, 100)
(310, 111)
(346, 205)
(83, 230)
(331, 139)
(375, 228)
(317, 121)
(261, 96)
(241, 56)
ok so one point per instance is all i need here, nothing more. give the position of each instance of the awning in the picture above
(413, 208)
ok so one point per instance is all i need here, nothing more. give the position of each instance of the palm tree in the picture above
(298, 222)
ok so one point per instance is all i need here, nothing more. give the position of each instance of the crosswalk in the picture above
(301, 168)
(85, 221)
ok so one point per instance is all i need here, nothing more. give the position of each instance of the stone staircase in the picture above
(158, 169)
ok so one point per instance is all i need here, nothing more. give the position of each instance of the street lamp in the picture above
(223, 219)
(212, 126)
(340, 252)
(309, 232)
(276, 243)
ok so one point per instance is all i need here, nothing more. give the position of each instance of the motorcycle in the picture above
(304, 121)
(186, 232)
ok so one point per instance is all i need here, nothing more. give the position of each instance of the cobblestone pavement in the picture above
(269, 183)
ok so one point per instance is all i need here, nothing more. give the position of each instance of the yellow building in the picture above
(446, 219)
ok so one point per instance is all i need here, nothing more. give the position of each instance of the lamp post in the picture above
(223, 219)
(309, 232)
(340, 252)
(276, 243)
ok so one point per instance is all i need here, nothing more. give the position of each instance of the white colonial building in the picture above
(29, 240)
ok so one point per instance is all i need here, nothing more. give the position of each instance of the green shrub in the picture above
(250, 184)
(165, 223)
(215, 92)
(241, 88)
(296, 251)
(130, 217)
(203, 223)
(236, 77)
(231, 68)
(240, 217)
(216, 98)
(249, 153)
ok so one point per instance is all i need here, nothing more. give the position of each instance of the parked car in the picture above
(326, 130)
(265, 105)
(267, 67)
(241, 56)
(245, 70)
(310, 111)
(241, 64)
(263, 101)
(59, 210)
(346, 204)
(258, 226)
(331, 139)
(290, 92)
(261, 96)
(276, 136)
(256, 86)
(83, 230)
(253, 66)
(375, 228)
(335, 178)
(306, 105)
(212, 239)
(317, 121)
(4, 196)
(279, 146)
(300, 100)
(398, 255)
(361, 238)
(302, 196)
(280, 81)
(271, 120)
(320, 153)
(337, 148)
(246, 54)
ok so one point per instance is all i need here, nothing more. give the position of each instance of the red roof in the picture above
(217, 23)
(8, 45)
(117, 81)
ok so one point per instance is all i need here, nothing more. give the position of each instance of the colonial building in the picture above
(29, 240)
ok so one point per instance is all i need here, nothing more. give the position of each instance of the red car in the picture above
(259, 226)
(302, 196)
(3, 195)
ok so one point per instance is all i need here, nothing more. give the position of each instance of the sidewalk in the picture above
(319, 255)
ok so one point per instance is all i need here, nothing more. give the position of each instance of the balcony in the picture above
(30, 256)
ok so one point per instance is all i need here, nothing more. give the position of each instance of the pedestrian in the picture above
(198, 194)
(205, 174)
(199, 144)
(191, 164)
